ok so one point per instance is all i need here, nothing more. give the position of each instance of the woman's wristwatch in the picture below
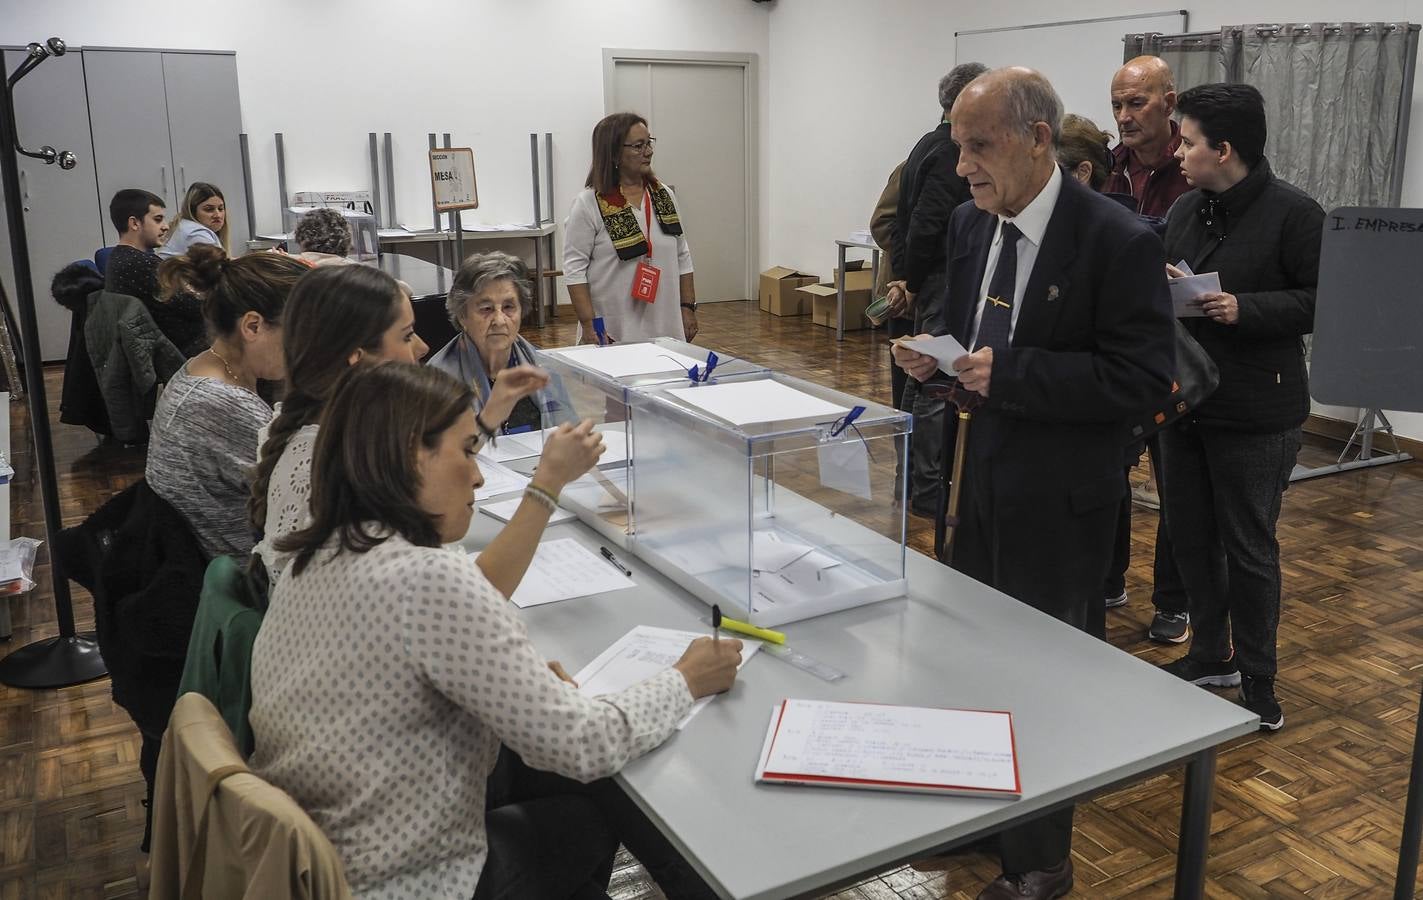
(692, 306)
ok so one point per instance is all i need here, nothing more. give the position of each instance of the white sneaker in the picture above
(1119, 600)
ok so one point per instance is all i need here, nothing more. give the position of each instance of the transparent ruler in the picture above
(823, 671)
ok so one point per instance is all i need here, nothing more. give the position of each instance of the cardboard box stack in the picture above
(778, 294)
(859, 293)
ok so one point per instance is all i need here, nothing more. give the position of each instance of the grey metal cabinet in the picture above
(63, 219)
(203, 118)
(128, 114)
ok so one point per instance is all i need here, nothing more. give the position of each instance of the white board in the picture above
(1078, 57)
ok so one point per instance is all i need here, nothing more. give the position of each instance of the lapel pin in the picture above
(1052, 293)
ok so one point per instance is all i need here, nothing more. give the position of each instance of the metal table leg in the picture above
(840, 296)
(1197, 802)
(540, 288)
(1412, 820)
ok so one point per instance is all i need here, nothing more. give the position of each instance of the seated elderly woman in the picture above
(487, 301)
(324, 237)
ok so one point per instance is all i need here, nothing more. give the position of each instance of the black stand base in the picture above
(53, 663)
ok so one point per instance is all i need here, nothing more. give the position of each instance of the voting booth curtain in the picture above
(1336, 96)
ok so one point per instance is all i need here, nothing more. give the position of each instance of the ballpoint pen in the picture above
(608, 555)
(716, 624)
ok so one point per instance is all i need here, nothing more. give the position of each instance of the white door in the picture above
(698, 113)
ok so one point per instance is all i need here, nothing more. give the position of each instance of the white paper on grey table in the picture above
(511, 446)
(625, 360)
(498, 479)
(941, 747)
(615, 442)
(641, 654)
(763, 400)
(504, 511)
(1186, 291)
(945, 349)
(590, 489)
(564, 569)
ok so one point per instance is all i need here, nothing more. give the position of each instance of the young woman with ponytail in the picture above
(337, 317)
(203, 445)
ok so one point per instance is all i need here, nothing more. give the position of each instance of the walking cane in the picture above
(947, 521)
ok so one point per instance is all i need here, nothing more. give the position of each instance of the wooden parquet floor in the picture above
(1312, 811)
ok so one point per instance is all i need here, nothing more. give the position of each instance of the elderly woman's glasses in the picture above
(643, 146)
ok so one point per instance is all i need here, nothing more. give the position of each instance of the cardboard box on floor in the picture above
(778, 295)
(822, 298)
(858, 276)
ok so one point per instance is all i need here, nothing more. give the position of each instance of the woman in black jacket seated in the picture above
(1229, 462)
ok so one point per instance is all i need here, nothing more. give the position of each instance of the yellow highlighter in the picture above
(764, 634)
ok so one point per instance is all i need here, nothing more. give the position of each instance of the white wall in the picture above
(325, 73)
(853, 86)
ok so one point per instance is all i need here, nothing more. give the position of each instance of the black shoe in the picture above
(1258, 696)
(1047, 884)
(1119, 600)
(1205, 674)
(1169, 628)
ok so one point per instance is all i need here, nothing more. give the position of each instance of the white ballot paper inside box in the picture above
(1186, 293)
(945, 349)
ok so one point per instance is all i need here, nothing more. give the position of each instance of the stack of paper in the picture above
(498, 479)
(508, 447)
(750, 402)
(564, 569)
(626, 360)
(891, 748)
(640, 654)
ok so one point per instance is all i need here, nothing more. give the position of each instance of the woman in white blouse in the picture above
(202, 219)
(388, 669)
(625, 258)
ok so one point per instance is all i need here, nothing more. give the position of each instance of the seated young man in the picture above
(141, 220)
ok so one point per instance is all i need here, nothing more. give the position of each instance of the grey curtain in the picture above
(1332, 100)
(1334, 93)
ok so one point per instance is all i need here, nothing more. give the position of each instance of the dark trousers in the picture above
(551, 848)
(513, 783)
(1049, 555)
(926, 442)
(1223, 493)
(1168, 593)
(896, 328)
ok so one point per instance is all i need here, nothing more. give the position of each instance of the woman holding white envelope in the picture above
(1228, 463)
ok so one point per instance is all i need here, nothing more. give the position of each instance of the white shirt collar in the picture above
(1032, 221)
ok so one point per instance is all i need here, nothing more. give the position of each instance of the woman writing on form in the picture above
(388, 670)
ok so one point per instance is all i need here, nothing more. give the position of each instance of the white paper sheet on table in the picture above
(504, 511)
(564, 569)
(749, 402)
(640, 654)
(1186, 291)
(623, 360)
(945, 349)
(615, 442)
(498, 479)
(511, 446)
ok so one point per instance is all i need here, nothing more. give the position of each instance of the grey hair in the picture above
(958, 78)
(479, 271)
(323, 231)
(1029, 98)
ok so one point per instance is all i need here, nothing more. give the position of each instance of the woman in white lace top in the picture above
(389, 669)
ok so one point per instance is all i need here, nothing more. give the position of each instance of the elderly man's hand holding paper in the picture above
(925, 354)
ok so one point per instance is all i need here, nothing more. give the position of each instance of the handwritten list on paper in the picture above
(564, 569)
(908, 746)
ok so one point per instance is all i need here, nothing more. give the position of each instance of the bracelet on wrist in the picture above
(488, 433)
(543, 497)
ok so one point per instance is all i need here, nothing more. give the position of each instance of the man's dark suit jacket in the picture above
(1094, 345)
(929, 190)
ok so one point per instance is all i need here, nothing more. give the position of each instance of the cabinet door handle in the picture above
(163, 178)
(182, 179)
(25, 187)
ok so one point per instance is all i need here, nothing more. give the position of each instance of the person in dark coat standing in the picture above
(929, 191)
(1228, 464)
(1058, 292)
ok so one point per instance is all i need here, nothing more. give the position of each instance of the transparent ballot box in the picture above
(596, 383)
(773, 497)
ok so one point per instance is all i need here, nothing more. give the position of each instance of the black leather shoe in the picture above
(1046, 884)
